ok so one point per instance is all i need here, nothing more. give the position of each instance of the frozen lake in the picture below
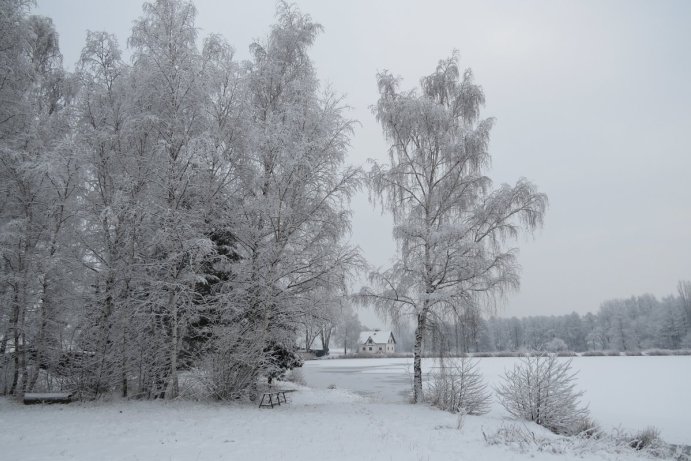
(628, 392)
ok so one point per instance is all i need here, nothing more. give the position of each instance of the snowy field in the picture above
(339, 424)
(631, 393)
(316, 425)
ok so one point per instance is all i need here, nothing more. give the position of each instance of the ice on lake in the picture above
(631, 393)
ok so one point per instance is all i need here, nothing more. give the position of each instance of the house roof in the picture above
(378, 336)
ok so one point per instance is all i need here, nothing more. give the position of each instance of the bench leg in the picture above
(274, 399)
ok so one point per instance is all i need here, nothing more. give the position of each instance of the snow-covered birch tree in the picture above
(450, 224)
(115, 173)
(38, 177)
(292, 216)
(169, 87)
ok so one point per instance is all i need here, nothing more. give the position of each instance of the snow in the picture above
(316, 425)
(330, 424)
(630, 393)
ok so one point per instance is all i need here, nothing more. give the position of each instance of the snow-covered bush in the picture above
(541, 388)
(525, 440)
(647, 438)
(587, 428)
(556, 345)
(228, 379)
(459, 388)
(295, 376)
(686, 341)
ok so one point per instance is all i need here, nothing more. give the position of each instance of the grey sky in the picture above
(592, 101)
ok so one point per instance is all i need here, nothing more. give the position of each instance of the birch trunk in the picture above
(417, 357)
(172, 388)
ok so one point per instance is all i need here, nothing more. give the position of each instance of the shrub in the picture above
(566, 354)
(508, 354)
(556, 345)
(593, 354)
(459, 388)
(645, 439)
(483, 354)
(619, 445)
(587, 428)
(542, 389)
(667, 352)
(295, 376)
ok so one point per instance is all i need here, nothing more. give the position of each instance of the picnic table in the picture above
(273, 398)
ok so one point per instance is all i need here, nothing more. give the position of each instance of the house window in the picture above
(370, 348)
(380, 348)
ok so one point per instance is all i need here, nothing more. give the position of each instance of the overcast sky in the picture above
(592, 101)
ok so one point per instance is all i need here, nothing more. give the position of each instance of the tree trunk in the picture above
(455, 327)
(21, 354)
(103, 381)
(417, 357)
(14, 327)
(42, 334)
(123, 352)
(326, 337)
(5, 361)
(172, 388)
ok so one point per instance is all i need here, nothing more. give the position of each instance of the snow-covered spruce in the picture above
(541, 388)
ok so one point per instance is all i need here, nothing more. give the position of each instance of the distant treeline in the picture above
(621, 325)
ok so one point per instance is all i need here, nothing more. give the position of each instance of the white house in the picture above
(377, 342)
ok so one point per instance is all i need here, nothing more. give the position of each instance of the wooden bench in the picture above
(48, 397)
(273, 398)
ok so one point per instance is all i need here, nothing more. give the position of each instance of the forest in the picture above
(182, 210)
(628, 325)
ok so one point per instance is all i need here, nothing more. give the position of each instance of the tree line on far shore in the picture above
(620, 325)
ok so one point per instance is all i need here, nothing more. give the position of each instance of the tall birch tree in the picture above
(451, 226)
(292, 216)
(38, 177)
(169, 87)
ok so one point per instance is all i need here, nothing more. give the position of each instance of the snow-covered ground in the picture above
(316, 425)
(631, 393)
(332, 424)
